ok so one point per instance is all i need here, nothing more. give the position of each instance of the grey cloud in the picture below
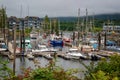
(55, 8)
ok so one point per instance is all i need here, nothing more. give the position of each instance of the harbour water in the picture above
(23, 63)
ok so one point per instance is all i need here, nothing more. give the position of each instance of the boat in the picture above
(3, 46)
(75, 54)
(66, 39)
(28, 45)
(95, 57)
(44, 48)
(93, 41)
(55, 41)
(41, 48)
(33, 36)
(30, 56)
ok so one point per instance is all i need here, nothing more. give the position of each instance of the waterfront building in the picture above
(31, 21)
(27, 22)
(111, 28)
(12, 21)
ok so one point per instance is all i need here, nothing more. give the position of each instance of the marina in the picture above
(66, 54)
(53, 48)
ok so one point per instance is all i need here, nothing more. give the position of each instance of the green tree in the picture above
(105, 69)
(46, 24)
(5, 72)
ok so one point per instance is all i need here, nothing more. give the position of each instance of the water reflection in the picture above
(23, 62)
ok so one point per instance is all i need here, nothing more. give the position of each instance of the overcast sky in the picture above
(55, 8)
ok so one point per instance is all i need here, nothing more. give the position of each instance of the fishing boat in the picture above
(75, 54)
(55, 41)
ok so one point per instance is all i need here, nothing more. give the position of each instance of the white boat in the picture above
(92, 41)
(30, 55)
(118, 48)
(33, 36)
(3, 47)
(41, 48)
(74, 53)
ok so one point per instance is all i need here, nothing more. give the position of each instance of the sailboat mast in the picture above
(50, 27)
(86, 27)
(93, 27)
(78, 18)
(59, 25)
(78, 24)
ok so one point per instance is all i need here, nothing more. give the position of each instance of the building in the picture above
(31, 21)
(111, 28)
(12, 22)
(26, 22)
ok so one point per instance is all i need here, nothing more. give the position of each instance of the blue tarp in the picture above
(55, 43)
(110, 43)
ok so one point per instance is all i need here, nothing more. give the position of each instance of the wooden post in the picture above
(14, 65)
(21, 42)
(105, 41)
(99, 41)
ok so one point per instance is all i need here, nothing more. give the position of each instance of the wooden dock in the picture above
(102, 53)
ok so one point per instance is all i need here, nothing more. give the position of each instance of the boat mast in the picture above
(50, 27)
(93, 27)
(59, 28)
(78, 25)
(86, 27)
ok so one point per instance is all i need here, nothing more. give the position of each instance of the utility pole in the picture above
(93, 27)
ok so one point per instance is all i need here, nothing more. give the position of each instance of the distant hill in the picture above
(115, 16)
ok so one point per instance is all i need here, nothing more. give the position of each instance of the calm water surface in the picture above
(23, 62)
